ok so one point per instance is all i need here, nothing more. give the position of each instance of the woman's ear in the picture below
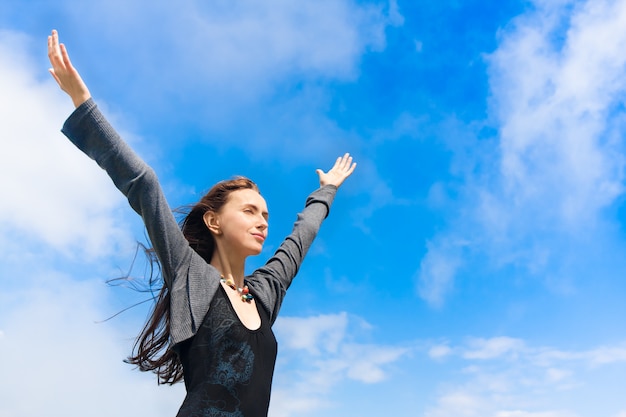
(212, 222)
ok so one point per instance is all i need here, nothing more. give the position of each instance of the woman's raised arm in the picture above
(89, 130)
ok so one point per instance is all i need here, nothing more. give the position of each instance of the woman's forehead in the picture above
(247, 196)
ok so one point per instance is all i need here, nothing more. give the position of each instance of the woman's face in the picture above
(243, 222)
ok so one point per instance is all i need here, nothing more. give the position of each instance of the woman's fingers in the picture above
(344, 163)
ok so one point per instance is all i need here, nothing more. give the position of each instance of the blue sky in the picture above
(472, 266)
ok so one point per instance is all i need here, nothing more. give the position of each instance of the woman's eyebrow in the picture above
(256, 208)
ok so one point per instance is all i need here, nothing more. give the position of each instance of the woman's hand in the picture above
(64, 72)
(342, 169)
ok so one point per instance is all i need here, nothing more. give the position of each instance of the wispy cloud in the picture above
(438, 270)
(240, 49)
(492, 348)
(557, 84)
(556, 106)
(505, 376)
(518, 413)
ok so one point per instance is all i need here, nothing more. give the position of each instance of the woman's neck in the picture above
(229, 268)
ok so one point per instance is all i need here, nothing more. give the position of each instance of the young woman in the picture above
(211, 325)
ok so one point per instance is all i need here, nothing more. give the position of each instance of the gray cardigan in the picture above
(192, 282)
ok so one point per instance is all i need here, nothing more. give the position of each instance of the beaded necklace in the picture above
(245, 292)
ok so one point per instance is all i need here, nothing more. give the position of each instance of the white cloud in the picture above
(58, 202)
(51, 191)
(54, 351)
(439, 351)
(608, 355)
(556, 375)
(602, 355)
(555, 104)
(456, 403)
(320, 353)
(316, 335)
(371, 360)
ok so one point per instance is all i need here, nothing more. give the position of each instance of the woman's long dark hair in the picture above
(152, 350)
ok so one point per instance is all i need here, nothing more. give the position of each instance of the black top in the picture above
(228, 368)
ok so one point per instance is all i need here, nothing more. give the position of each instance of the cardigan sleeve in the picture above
(192, 282)
(270, 282)
(91, 133)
